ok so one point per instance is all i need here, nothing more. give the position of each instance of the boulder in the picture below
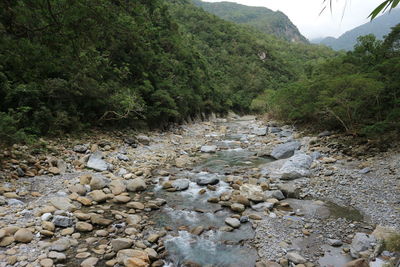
(207, 180)
(237, 207)
(137, 184)
(61, 244)
(143, 139)
(121, 243)
(180, 184)
(96, 162)
(208, 149)
(122, 157)
(285, 150)
(62, 203)
(260, 131)
(83, 227)
(89, 262)
(23, 235)
(296, 167)
(361, 242)
(98, 196)
(98, 182)
(135, 205)
(62, 221)
(262, 206)
(80, 148)
(117, 187)
(133, 219)
(274, 194)
(252, 192)
(335, 242)
(358, 263)
(125, 254)
(233, 222)
(295, 258)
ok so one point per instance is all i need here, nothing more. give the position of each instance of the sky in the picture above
(305, 14)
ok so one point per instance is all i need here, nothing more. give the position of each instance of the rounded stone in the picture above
(23, 235)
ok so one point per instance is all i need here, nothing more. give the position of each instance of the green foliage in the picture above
(263, 19)
(66, 65)
(10, 131)
(358, 91)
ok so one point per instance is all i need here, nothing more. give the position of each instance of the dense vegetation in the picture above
(261, 18)
(65, 64)
(379, 27)
(358, 92)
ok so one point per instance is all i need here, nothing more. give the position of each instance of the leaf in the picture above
(381, 8)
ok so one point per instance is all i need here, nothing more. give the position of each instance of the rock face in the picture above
(286, 150)
(96, 162)
(296, 167)
(137, 184)
(361, 242)
(208, 149)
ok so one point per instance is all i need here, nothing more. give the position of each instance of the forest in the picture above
(357, 92)
(66, 66)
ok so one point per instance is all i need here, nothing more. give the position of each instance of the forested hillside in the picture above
(357, 92)
(67, 65)
(379, 27)
(261, 18)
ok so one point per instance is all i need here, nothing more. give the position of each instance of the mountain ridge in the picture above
(263, 19)
(380, 27)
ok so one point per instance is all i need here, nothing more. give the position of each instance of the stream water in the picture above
(190, 209)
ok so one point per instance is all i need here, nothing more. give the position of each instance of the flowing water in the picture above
(189, 209)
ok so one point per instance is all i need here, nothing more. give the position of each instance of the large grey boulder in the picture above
(96, 162)
(180, 184)
(208, 149)
(98, 182)
(295, 258)
(260, 131)
(361, 242)
(206, 179)
(286, 150)
(232, 222)
(296, 167)
(63, 221)
(274, 194)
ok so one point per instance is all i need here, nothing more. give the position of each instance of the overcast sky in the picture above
(305, 14)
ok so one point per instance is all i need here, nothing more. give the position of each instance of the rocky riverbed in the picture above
(226, 192)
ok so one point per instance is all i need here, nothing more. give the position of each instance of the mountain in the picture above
(130, 64)
(380, 27)
(261, 18)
